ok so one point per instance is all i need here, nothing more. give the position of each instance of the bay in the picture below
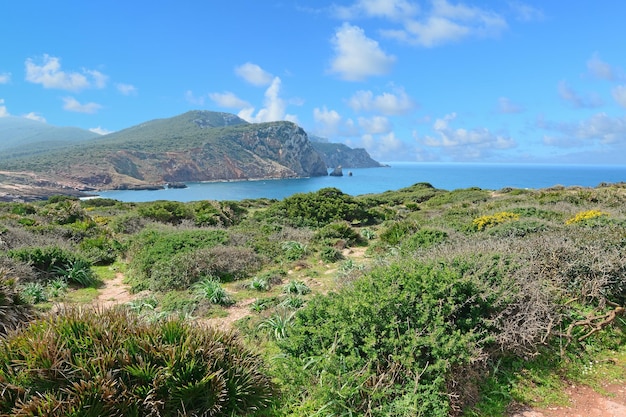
(447, 176)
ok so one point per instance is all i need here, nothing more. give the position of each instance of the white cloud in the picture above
(568, 94)
(386, 103)
(525, 12)
(71, 104)
(375, 125)
(126, 89)
(5, 77)
(329, 124)
(600, 128)
(602, 70)
(254, 74)
(101, 131)
(35, 116)
(384, 147)
(357, 56)
(3, 109)
(99, 80)
(192, 99)
(505, 105)
(274, 107)
(464, 144)
(391, 9)
(50, 75)
(447, 23)
(229, 100)
(619, 94)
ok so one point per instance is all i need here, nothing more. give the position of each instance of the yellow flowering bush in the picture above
(584, 216)
(484, 222)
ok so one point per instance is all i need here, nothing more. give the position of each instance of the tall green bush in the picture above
(393, 340)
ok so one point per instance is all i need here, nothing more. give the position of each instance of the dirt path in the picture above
(235, 312)
(585, 402)
(113, 292)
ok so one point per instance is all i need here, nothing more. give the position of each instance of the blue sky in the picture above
(428, 80)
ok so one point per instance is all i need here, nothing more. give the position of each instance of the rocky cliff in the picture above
(337, 154)
(195, 146)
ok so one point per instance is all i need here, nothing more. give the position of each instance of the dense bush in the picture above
(339, 231)
(398, 230)
(151, 247)
(320, 208)
(110, 363)
(182, 269)
(52, 261)
(172, 212)
(423, 239)
(100, 250)
(389, 343)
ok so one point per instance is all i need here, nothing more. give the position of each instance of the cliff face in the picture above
(266, 150)
(337, 154)
(194, 146)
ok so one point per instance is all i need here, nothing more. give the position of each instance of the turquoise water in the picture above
(447, 176)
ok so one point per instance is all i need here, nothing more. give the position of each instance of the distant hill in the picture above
(21, 137)
(194, 146)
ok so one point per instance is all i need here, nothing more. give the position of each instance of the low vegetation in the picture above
(411, 302)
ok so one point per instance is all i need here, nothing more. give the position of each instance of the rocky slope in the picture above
(338, 154)
(194, 146)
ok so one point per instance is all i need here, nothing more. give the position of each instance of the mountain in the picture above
(20, 137)
(194, 146)
(338, 154)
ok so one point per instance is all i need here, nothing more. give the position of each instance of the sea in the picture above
(397, 175)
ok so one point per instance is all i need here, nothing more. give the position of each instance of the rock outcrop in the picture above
(335, 154)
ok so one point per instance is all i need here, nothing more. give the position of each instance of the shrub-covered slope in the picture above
(411, 302)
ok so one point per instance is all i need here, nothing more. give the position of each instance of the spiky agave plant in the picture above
(14, 310)
(114, 364)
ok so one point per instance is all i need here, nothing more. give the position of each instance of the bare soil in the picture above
(585, 402)
(113, 292)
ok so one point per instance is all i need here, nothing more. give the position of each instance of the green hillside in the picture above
(194, 146)
(22, 137)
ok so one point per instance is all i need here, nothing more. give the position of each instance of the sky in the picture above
(519, 81)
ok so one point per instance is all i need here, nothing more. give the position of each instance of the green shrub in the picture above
(397, 231)
(53, 261)
(320, 208)
(339, 231)
(151, 247)
(330, 254)
(99, 202)
(181, 270)
(519, 228)
(424, 238)
(394, 338)
(110, 363)
(172, 212)
(99, 250)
